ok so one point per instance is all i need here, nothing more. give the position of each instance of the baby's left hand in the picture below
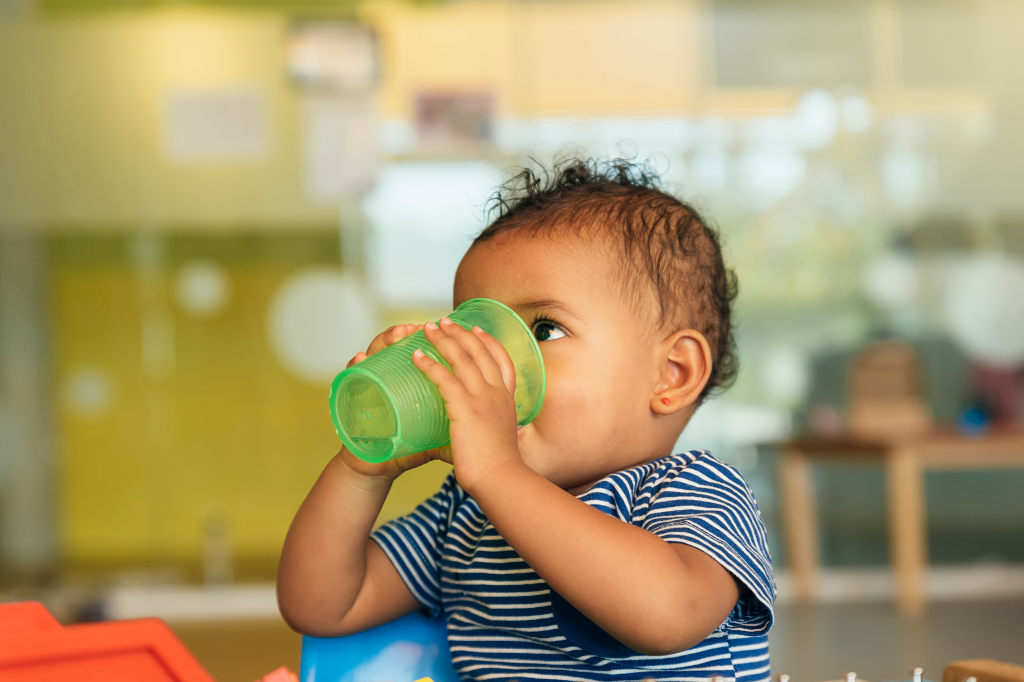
(479, 396)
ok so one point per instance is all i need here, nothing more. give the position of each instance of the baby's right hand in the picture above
(391, 468)
(389, 336)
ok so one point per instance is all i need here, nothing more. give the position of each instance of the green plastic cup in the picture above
(385, 408)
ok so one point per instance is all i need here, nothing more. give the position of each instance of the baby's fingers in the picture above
(384, 339)
(391, 335)
(450, 388)
(359, 357)
(501, 356)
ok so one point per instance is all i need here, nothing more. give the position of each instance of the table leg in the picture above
(800, 519)
(907, 530)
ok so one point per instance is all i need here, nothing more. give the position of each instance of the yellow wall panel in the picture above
(623, 56)
(227, 427)
(84, 105)
(549, 58)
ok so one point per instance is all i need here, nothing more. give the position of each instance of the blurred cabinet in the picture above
(174, 422)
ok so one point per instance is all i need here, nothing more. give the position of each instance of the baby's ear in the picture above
(684, 365)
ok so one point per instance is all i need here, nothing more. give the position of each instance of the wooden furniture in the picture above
(983, 670)
(904, 461)
(885, 396)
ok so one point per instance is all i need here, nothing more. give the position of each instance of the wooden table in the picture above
(904, 462)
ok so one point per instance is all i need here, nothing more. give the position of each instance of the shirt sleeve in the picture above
(414, 542)
(706, 504)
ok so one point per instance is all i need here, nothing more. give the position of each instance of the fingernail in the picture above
(431, 325)
(477, 329)
(418, 353)
(446, 320)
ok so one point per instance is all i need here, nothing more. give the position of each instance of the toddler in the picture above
(577, 547)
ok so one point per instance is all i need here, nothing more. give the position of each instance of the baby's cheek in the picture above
(582, 404)
(571, 401)
(585, 409)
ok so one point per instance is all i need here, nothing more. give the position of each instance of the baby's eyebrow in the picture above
(550, 304)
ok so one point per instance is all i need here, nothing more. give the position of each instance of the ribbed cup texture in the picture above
(384, 407)
(415, 404)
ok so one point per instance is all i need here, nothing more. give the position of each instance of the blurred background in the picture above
(208, 207)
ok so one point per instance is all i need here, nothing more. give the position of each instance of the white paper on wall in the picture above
(339, 155)
(216, 126)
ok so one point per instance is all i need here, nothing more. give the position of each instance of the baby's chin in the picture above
(531, 452)
(548, 466)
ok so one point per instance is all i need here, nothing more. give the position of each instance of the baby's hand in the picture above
(479, 396)
(392, 468)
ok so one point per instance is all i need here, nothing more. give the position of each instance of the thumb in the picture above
(443, 453)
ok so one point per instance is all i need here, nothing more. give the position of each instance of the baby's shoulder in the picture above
(702, 472)
(691, 468)
(696, 473)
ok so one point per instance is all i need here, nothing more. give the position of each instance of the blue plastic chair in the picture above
(403, 650)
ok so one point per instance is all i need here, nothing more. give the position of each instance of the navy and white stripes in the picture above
(504, 622)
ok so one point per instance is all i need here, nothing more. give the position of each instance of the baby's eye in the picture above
(543, 330)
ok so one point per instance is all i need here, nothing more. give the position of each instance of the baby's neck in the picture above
(578, 490)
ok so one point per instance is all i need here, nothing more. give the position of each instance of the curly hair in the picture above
(663, 243)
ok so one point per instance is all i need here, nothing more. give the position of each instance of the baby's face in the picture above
(600, 358)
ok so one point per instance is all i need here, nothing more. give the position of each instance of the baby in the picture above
(577, 547)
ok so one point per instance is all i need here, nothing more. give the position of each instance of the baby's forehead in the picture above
(547, 265)
(581, 277)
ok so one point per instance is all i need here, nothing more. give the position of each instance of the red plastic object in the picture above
(282, 674)
(35, 648)
(25, 617)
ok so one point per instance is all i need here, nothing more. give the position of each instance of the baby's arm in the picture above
(650, 595)
(655, 597)
(332, 579)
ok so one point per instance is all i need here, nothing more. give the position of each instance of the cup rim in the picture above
(533, 344)
(336, 419)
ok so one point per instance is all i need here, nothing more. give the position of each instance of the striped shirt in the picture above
(504, 622)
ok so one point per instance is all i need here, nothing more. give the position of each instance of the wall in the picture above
(171, 421)
(83, 162)
(84, 103)
(543, 58)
